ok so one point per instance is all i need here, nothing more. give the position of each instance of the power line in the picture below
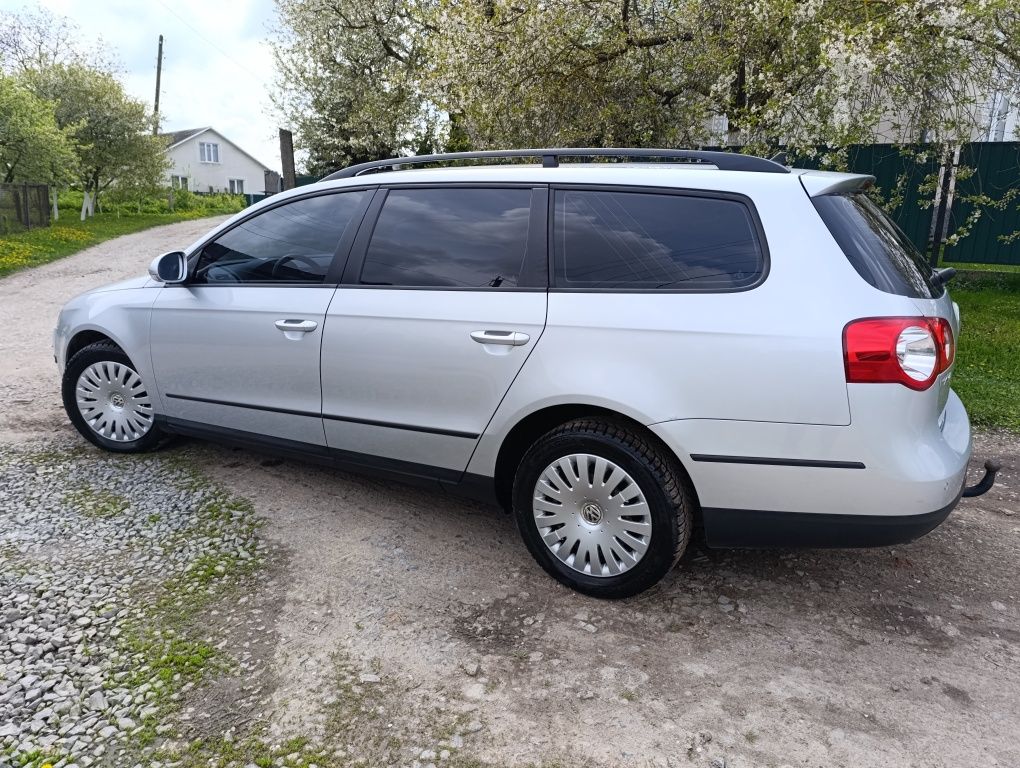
(215, 47)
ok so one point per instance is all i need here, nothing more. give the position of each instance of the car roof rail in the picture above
(724, 161)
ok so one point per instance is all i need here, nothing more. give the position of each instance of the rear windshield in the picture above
(876, 247)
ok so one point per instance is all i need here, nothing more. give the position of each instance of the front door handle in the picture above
(508, 338)
(295, 329)
(301, 326)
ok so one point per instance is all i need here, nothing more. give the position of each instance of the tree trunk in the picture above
(95, 195)
(87, 206)
(56, 209)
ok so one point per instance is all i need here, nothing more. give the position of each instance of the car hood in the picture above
(143, 281)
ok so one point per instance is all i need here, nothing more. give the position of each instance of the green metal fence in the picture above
(898, 172)
(996, 167)
(989, 169)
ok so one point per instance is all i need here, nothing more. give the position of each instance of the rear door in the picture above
(237, 347)
(443, 299)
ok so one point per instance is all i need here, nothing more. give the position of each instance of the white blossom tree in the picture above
(349, 78)
(361, 79)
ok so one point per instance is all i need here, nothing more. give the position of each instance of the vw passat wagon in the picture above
(616, 352)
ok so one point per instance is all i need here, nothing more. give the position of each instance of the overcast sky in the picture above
(217, 67)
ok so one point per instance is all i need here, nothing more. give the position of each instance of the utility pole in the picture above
(287, 158)
(159, 72)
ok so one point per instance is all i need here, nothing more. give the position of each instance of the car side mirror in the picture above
(170, 268)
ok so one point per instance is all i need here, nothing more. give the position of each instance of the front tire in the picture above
(107, 400)
(601, 508)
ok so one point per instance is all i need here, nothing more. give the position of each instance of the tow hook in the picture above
(984, 485)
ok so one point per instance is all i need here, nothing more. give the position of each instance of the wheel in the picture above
(602, 509)
(107, 401)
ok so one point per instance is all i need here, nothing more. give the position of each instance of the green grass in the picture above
(97, 503)
(69, 235)
(987, 372)
(975, 267)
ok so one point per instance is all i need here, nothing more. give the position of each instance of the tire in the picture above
(615, 563)
(118, 414)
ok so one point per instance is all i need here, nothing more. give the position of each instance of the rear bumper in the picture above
(891, 476)
(726, 528)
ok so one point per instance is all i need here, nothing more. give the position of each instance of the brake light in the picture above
(911, 351)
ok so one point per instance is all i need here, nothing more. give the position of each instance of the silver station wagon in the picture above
(616, 352)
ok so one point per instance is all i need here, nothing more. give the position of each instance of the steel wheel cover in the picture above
(112, 399)
(592, 515)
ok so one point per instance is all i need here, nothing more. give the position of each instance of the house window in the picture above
(236, 186)
(208, 152)
(179, 182)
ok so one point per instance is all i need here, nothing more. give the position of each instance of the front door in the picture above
(237, 347)
(437, 313)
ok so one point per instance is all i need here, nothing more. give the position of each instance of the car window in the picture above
(293, 243)
(876, 247)
(652, 241)
(469, 238)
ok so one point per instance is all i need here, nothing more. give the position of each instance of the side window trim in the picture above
(537, 264)
(746, 201)
(340, 255)
(343, 249)
(352, 267)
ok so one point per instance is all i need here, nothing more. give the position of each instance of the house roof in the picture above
(175, 138)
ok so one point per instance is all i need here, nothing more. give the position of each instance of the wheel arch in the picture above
(528, 429)
(83, 338)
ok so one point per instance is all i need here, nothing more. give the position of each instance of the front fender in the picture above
(122, 316)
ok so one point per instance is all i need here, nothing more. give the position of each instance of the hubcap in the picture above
(112, 399)
(592, 515)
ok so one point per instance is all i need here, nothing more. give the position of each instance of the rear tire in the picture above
(601, 508)
(107, 400)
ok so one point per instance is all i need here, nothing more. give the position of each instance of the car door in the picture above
(442, 301)
(236, 348)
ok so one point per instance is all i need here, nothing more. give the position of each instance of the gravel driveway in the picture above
(149, 617)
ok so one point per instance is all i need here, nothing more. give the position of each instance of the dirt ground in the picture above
(894, 657)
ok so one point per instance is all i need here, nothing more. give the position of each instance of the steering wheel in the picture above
(307, 260)
(216, 274)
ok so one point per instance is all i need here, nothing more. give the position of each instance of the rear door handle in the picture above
(508, 338)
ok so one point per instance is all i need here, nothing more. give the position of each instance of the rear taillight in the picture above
(911, 351)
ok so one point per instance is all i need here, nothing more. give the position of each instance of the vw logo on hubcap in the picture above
(591, 513)
(117, 400)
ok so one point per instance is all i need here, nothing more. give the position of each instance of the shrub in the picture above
(156, 202)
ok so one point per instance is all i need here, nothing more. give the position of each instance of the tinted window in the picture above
(292, 243)
(878, 249)
(649, 241)
(472, 238)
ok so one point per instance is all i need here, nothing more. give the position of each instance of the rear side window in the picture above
(445, 238)
(876, 247)
(634, 240)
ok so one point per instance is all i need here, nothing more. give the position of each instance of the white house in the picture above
(204, 160)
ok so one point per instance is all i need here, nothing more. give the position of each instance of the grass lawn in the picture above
(67, 236)
(987, 373)
(961, 266)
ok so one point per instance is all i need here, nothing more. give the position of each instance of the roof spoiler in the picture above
(817, 183)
